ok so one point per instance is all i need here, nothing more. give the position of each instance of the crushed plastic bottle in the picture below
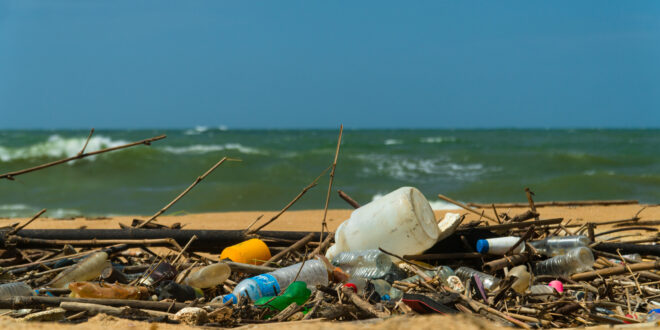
(106, 290)
(574, 261)
(366, 264)
(85, 270)
(499, 245)
(489, 281)
(401, 222)
(209, 276)
(15, 289)
(314, 272)
(559, 245)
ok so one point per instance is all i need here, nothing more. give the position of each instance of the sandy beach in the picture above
(309, 220)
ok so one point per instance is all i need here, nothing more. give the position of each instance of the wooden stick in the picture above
(11, 175)
(19, 302)
(89, 137)
(324, 225)
(363, 305)
(198, 180)
(467, 208)
(192, 239)
(433, 256)
(529, 194)
(97, 242)
(497, 217)
(558, 203)
(498, 264)
(293, 247)
(348, 199)
(310, 186)
(323, 244)
(523, 224)
(616, 270)
(102, 309)
(17, 229)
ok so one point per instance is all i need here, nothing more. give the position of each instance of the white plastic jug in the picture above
(401, 222)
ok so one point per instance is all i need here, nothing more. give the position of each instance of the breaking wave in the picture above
(437, 139)
(57, 146)
(202, 149)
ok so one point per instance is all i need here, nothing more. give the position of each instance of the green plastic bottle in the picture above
(297, 292)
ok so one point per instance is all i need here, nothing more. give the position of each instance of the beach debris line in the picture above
(524, 273)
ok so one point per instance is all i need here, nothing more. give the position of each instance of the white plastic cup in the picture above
(401, 222)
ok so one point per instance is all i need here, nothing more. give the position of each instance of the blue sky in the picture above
(308, 64)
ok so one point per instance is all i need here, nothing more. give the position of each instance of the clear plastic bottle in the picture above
(366, 264)
(9, 290)
(85, 270)
(559, 245)
(489, 281)
(209, 276)
(574, 261)
(314, 272)
(106, 290)
(382, 289)
(523, 278)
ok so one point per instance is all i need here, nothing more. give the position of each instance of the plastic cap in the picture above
(229, 297)
(557, 285)
(352, 286)
(482, 246)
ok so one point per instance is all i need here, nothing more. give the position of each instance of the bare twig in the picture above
(11, 175)
(348, 199)
(89, 137)
(324, 225)
(467, 208)
(17, 229)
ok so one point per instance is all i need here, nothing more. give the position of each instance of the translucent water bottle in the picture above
(489, 281)
(313, 272)
(365, 264)
(9, 290)
(574, 261)
(85, 270)
(209, 276)
(560, 245)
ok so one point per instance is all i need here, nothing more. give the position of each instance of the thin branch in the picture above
(11, 175)
(467, 208)
(89, 137)
(17, 229)
(324, 225)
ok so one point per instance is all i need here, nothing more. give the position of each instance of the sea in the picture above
(275, 165)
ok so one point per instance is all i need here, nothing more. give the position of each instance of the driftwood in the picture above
(616, 270)
(324, 225)
(556, 203)
(465, 207)
(11, 175)
(348, 199)
(293, 247)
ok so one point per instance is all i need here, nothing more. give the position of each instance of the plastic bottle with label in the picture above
(366, 264)
(499, 245)
(574, 261)
(209, 276)
(314, 272)
(559, 245)
(401, 222)
(85, 270)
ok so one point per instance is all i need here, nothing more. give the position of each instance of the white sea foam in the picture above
(436, 205)
(411, 169)
(437, 139)
(390, 142)
(196, 131)
(23, 210)
(202, 149)
(58, 147)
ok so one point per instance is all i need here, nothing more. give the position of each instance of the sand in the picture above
(310, 221)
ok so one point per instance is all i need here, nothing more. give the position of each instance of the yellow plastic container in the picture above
(253, 251)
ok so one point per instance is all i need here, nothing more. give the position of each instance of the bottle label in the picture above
(267, 285)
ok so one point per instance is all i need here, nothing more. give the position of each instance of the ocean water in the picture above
(468, 165)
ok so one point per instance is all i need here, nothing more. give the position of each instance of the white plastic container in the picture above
(499, 245)
(401, 222)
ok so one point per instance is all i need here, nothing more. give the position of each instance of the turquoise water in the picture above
(469, 165)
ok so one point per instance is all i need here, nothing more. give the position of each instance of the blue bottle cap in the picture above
(229, 297)
(482, 246)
